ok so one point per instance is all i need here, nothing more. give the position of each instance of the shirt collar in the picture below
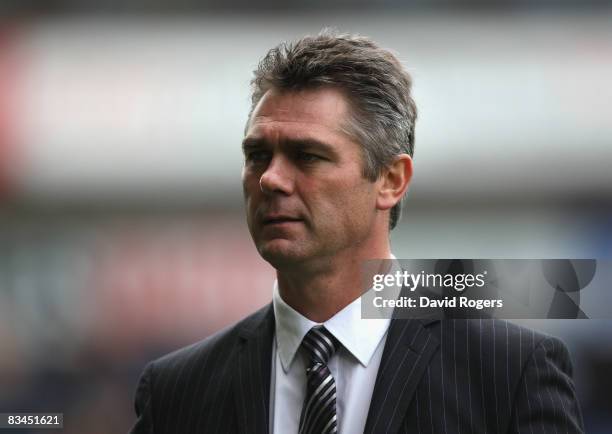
(359, 336)
(291, 327)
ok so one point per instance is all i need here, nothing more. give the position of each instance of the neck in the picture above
(319, 292)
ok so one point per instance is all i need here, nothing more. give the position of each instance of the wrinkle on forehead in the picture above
(326, 107)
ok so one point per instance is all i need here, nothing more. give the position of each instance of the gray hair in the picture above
(383, 112)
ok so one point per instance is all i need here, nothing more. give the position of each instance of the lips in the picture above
(279, 219)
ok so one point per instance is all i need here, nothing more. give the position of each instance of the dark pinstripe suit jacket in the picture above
(450, 376)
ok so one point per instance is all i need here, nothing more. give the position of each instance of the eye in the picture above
(257, 156)
(308, 157)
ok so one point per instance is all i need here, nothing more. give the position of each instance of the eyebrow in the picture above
(257, 143)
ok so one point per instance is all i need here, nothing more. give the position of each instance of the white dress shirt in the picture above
(354, 366)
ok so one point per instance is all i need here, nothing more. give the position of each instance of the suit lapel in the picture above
(252, 380)
(408, 350)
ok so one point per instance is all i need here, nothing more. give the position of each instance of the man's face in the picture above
(306, 196)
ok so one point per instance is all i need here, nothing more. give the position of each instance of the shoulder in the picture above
(492, 339)
(214, 350)
(194, 379)
(491, 331)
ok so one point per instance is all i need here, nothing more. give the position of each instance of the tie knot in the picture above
(320, 344)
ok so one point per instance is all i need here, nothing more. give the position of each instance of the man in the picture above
(327, 149)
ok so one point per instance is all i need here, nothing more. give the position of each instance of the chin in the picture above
(281, 253)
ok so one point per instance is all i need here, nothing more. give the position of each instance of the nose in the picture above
(278, 177)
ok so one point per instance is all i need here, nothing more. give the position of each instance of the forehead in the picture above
(300, 113)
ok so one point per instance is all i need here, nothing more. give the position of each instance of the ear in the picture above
(394, 182)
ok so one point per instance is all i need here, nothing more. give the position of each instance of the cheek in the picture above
(250, 185)
(347, 204)
(360, 205)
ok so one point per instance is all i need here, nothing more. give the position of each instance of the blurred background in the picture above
(122, 234)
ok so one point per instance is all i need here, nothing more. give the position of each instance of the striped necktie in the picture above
(319, 409)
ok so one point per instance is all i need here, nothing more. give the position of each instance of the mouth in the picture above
(278, 220)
